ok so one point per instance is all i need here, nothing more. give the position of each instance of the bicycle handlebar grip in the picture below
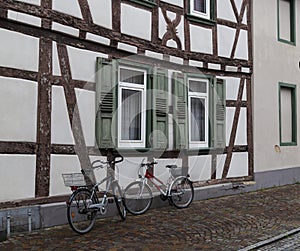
(118, 161)
(149, 163)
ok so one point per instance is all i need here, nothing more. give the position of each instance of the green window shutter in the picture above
(160, 104)
(106, 98)
(219, 106)
(180, 114)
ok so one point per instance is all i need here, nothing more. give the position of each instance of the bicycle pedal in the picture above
(110, 200)
(163, 197)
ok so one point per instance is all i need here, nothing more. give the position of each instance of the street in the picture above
(226, 223)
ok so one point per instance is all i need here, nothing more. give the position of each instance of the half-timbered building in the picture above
(83, 79)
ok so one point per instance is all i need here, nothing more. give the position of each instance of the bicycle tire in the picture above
(181, 192)
(119, 200)
(80, 218)
(137, 197)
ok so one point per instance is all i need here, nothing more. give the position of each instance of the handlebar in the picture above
(101, 164)
(149, 163)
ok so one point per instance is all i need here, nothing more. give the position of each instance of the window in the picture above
(141, 106)
(198, 113)
(287, 114)
(131, 107)
(200, 8)
(286, 21)
(132, 100)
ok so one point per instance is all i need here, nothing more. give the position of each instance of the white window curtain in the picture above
(131, 114)
(197, 119)
(200, 5)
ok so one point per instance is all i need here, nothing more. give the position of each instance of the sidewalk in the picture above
(227, 223)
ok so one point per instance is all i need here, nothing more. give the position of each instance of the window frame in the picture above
(293, 89)
(136, 87)
(199, 17)
(206, 96)
(292, 40)
(198, 13)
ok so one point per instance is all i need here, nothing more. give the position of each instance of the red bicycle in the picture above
(138, 195)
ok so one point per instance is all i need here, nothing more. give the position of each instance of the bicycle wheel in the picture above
(80, 218)
(137, 197)
(119, 201)
(182, 192)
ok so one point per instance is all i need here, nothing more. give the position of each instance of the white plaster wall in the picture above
(55, 60)
(18, 109)
(17, 179)
(86, 104)
(36, 2)
(241, 135)
(83, 63)
(97, 39)
(18, 50)
(242, 46)
(65, 29)
(201, 39)
(200, 168)
(62, 164)
(70, 7)
(136, 22)
(162, 24)
(61, 132)
(160, 170)
(225, 11)
(274, 61)
(225, 40)
(127, 171)
(101, 12)
(175, 2)
(24, 18)
(238, 165)
(232, 88)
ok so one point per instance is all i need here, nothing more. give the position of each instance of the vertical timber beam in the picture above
(46, 5)
(250, 129)
(43, 154)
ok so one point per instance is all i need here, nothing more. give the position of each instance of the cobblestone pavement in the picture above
(226, 223)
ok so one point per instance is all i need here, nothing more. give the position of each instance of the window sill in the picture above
(287, 41)
(200, 20)
(289, 144)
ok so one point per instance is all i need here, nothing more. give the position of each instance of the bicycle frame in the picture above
(110, 183)
(157, 183)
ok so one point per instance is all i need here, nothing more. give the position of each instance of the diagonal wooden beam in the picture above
(234, 129)
(85, 11)
(73, 110)
(235, 10)
(239, 24)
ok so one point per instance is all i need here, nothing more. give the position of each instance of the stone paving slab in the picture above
(291, 243)
(226, 223)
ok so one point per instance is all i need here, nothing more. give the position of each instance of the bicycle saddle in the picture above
(171, 166)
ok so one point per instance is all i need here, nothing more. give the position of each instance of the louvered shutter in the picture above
(180, 111)
(219, 113)
(160, 109)
(106, 80)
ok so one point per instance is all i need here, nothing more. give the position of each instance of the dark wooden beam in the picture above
(43, 153)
